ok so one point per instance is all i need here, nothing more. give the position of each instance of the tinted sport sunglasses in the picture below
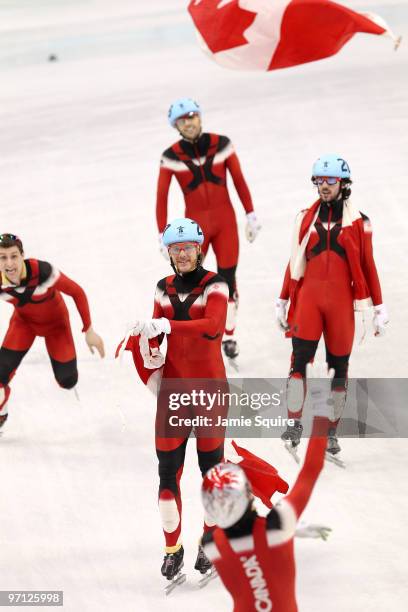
(4, 237)
(330, 180)
(188, 248)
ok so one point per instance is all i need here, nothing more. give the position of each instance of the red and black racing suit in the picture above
(201, 171)
(41, 311)
(196, 306)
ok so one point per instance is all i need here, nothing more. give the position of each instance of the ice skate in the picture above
(333, 448)
(202, 564)
(171, 569)
(205, 567)
(291, 438)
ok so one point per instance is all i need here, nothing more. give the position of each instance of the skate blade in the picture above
(210, 575)
(292, 450)
(336, 460)
(174, 582)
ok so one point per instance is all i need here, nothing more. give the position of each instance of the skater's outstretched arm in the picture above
(319, 386)
(163, 186)
(69, 287)
(313, 464)
(368, 263)
(240, 183)
(284, 294)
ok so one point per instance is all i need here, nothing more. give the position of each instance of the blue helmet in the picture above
(182, 230)
(331, 165)
(182, 107)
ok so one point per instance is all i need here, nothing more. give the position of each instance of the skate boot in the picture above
(333, 446)
(293, 434)
(172, 564)
(202, 564)
(231, 349)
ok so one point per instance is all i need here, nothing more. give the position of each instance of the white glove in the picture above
(319, 380)
(252, 227)
(163, 248)
(380, 319)
(154, 327)
(308, 530)
(280, 312)
(152, 357)
(135, 329)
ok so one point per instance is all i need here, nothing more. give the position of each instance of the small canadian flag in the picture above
(272, 34)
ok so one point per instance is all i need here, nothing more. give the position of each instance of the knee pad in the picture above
(207, 459)
(339, 384)
(339, 401)
(228, 275)
(169, 511)
(295, 394)
(303, 352)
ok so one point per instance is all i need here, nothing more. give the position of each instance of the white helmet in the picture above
(226, 494)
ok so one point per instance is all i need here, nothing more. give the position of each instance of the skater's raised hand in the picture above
(280, 313)
(253, 227)
(380, 320)
(319, 380)
(94, 341)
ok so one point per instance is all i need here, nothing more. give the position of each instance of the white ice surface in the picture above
(80, 142)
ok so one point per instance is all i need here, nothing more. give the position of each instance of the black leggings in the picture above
(66, 373)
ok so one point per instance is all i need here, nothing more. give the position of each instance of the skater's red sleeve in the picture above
(369, 267)
(313, 464)
(241, 186)
(213, 322)
(157, 308)
(71, 288)
(163, 185)
(284, 294)
(158, 311)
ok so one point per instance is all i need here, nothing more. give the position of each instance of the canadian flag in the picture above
(272, 34)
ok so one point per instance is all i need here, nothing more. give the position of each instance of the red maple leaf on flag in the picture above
(222, 28)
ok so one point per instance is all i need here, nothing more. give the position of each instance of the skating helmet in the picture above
(331, 165)
(182, 230)
(226, 494)
(182, 107)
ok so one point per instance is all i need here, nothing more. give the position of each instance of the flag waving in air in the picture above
(272, 34)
